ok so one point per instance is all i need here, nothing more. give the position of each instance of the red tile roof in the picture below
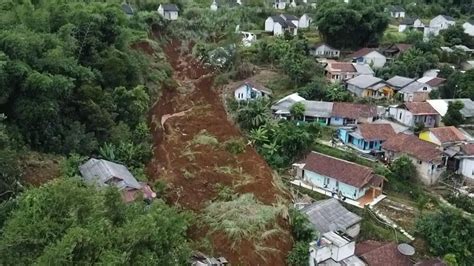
(420, 108)
(468, 149)
(362, 52)
(343, 171)
(342, 67)
(447, 134)
(435, 82)
(353, 110)
(413, 146)
(402, 47)
(431, 262)
(376, 131)
(381, 254)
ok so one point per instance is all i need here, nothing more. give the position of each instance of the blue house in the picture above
(352, 113)
(366, 137)
(342, 178)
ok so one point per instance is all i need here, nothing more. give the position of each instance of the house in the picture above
(381, 254)
(248, 38)
(412, 114)
(340, 71)
(467, 65)
(279, 4)
(342, 178)
(411, 23)
(333, 248)
(438, 23)
(464, 48)
(396, 49)
(415, 92)
(201, 259)
(399, 82)
(214, 5)
(369, 86)
(396, 11)
(304, 21)
(329, 215)
(325, 51)
(441, 106)
(425, 155)
(352, 113)
(433, 82)
(468, 27)
(466, 161)
(281, 23)
(369, 56)
(250, 90)
(103, 173)
(127, 9)
(366, 138)
(315, 111)
(168, 11)
(443, 136)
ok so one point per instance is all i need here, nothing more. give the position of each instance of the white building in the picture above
(249, 90)
(440, 22)
(469, 27)
(333, 248)
(304, 21)
(466, 161)
(214, 5)
(279, 4)
(325, 51)
(369, 56)
(282, 23)
(415, 92)
(396, 11)
(411, 23)
(413, 113)
(168, 11)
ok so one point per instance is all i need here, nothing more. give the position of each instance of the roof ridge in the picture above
(339, 159)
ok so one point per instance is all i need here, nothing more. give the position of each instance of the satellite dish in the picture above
(406, 249)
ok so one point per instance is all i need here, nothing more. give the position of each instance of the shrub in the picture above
(299, 255)
(204, 138)
(235, 145)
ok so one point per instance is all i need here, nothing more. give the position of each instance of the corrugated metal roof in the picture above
(364, 81)
(102, 172)
(329, 215)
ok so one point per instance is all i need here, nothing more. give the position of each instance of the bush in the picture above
(462, 201)
(205, 138)
(301, 227)
(299, 255)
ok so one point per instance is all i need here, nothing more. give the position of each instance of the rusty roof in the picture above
(341, 170)
(413, 146)
(341, 66)
(435, 82)
(362, 52)
(448, 134)
(468, 149)
(353, 110)
(376, 131)
(420, 108)
(376, 253)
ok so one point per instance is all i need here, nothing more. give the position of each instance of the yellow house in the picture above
(369, 86)
(443, 136)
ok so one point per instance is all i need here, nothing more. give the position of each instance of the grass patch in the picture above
(243, 218)
(205, 138)
(345, 155)
(327, 133)
(235, 145)
(243, 178)
(225, 193)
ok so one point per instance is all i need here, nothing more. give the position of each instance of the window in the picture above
(337, 184)
(420, 162)
(425, 118)
(400, 116)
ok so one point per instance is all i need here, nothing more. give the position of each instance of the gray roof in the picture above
(399, 82)
(127, 9)
(170, 7)
(363, 69)
(448, 18)
(364, 81)
(329, 215)
(103, 172)
(317, 108)
(408, 21)
(289, 17)
(414, 87)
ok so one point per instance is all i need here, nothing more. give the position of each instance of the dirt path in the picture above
(192, 170)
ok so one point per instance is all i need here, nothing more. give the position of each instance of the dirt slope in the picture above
(191, 170)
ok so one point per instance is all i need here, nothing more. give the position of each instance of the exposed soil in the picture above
(192, 170)
(39, 168)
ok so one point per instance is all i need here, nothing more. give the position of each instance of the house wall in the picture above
(375, 59)
(355, 90)
(466, 168)
(245, 92)
(428, 173)
(418, 24)
(403, 116)
(170, 15)
(402, 27)
(331, 184)
(277, 29)
(318, 255)
(339, 76)
(343, 134)
(269, 24)
(325, 51)
(304, 22)
(160, 10)
(354, 230)
(468, 28)
(427, 120)
(279, 5)
(344, 252)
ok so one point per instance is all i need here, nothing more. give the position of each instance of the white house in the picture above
(304, 21)
(411, 23)
(214, 5)
(168, 11)
(413, 113)
(469, 27)
(438, 23)
(325, 51)
(333, 248)
(248, 38)
(249, 90)
(279, 4)
(279, 24)
(466, 161)
(369, 56)
(396, 11)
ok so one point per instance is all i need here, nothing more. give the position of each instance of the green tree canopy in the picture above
(66, 222)
(297, 110)
(453, 116)
(403, 168)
